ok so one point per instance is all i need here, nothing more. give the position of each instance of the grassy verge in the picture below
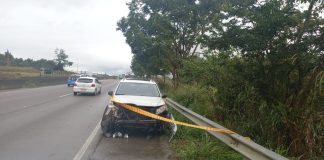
(190, 143)
(10, 72)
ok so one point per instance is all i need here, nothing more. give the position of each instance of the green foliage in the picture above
(48, 65)
(240, 96)
(162, 34)
(8, 58)
(61, 59)
(37, 64)
(191, 143)
(261, 71)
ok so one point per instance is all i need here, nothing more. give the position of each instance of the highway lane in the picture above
(47, 122)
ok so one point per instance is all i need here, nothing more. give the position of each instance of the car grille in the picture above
(130, 115)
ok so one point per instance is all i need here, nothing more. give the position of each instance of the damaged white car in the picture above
(142, 94)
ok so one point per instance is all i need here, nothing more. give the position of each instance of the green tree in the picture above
(280, 48)
(61, 59)
(8, 58)
(262, 61)
(2, 60)
(166, 30)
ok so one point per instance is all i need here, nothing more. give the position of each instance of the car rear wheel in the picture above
(75, 93)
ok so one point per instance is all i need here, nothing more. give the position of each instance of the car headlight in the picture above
(111, 104)
(161, 109)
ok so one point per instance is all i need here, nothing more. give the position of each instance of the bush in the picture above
(255, 99)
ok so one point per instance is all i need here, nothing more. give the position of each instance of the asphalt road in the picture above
(51, 123)
(47, 122)
(136, 147)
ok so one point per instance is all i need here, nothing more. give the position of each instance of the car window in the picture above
(138, 89)
(97, 81)
(85, 80)
(73, 78)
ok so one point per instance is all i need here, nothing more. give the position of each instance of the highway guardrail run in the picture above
(244, 146)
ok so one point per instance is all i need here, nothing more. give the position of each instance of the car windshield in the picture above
(84, 80)
(138, 89)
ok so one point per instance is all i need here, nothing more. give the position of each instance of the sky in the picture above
(85, 29)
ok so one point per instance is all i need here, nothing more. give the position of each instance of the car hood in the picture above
(140, 100)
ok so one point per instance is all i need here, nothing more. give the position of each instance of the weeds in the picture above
(190, 143)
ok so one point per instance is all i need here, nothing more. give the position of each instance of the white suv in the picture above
(88, 85)
(139, 93)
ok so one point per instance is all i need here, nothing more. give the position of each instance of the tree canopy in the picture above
(61, 59)
(57, 64)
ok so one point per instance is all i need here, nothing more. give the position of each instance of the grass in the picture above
(10, 72)
(194, 145)
(191, 143)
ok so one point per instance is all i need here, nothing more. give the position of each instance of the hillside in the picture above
(11, 72)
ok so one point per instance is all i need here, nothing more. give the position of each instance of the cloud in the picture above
(85, 29)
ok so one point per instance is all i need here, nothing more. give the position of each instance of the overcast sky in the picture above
(85, 29)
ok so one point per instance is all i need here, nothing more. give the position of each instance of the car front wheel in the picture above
(108, 121)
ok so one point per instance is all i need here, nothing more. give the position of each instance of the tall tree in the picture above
(8, 58)
(2, 60)
(168, 30)
(61, 59)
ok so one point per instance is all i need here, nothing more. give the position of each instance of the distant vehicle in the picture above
(71, 80)
(87, 85)
(139, 93)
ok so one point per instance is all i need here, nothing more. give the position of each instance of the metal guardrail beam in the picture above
(247, 148)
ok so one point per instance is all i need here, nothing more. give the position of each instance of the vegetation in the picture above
(58, 64)
(9, 72)
(191, 143)
(61, 59)
(261, 63)
(12, 72)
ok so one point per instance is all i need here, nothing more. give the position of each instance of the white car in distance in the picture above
(87, 85)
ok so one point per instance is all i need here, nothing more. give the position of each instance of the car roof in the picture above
(137, 81)
(87, 77)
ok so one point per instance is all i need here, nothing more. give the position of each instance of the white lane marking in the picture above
(65, 95)
(85, 146)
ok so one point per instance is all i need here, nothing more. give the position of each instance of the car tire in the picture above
(75, 93)
(95, 93)
(108, 122)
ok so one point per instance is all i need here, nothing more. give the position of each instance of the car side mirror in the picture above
(110, 93)
(164, 96)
